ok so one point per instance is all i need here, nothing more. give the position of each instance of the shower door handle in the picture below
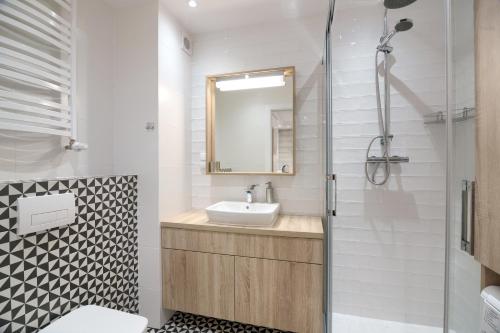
(331, 187)
(467, 238)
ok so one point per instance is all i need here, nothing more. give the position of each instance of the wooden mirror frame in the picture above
(210, 119)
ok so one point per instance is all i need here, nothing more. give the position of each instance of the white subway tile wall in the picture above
(389, 240)
(296, 43)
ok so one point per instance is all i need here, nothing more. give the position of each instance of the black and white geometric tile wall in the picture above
(92, 261)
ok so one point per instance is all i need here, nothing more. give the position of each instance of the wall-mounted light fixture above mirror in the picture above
(251, 122)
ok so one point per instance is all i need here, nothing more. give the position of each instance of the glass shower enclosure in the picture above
(399, 254)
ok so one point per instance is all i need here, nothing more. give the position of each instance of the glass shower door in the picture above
(465, 272)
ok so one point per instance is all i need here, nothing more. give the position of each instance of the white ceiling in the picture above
(124, 3)
(214, 15)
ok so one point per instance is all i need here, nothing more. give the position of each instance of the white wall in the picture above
(292, 43)
(135, 102)
(389, 240)
(174, 125)
(28, 156)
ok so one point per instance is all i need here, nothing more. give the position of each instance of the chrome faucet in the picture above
(250, 193)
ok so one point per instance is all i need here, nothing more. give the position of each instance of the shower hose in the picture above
(383, 137)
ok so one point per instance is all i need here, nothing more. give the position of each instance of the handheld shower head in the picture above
(401, 26)
(404, 25)
(396, 4)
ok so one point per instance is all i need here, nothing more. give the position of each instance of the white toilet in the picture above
(490, 309)
(96, 319)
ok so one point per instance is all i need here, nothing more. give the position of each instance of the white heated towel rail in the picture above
(37, 66)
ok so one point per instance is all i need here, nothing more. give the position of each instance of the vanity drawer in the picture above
(279, 294)
(200, 283)
(307, 250)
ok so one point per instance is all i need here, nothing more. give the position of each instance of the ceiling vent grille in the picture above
(187, 44)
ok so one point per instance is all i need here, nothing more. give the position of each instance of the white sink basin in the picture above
(243, 214)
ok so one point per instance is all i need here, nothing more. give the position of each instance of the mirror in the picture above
(251, 122)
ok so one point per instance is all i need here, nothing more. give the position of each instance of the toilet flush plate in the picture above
(45, 212)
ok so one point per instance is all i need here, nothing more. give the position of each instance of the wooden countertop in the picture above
(286, 226)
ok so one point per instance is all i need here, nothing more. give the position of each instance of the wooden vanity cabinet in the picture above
(263, 280)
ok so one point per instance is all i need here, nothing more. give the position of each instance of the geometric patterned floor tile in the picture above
(188, 323)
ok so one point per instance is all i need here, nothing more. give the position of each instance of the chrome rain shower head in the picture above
(396, 4)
